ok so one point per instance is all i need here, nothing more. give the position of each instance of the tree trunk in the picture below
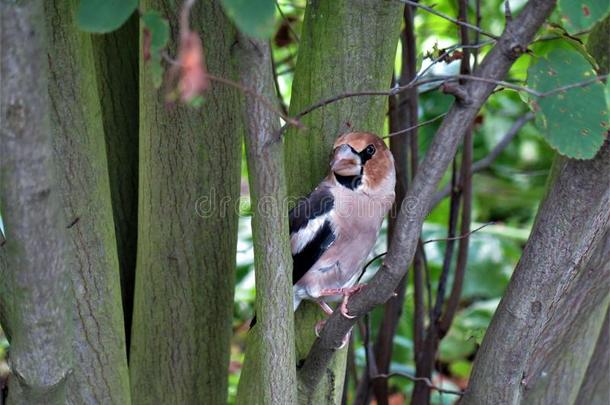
(544, 331)
(187, 227)
(550, 287)
(34, 257)
(269, 374)
(560, 355)
(345, 46)
(402, 114)
(100, 372)
(116, 63)
(594, 388)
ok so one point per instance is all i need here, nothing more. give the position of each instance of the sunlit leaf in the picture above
(104, 15)
(573, 121)
(253, 17)
(581, 15)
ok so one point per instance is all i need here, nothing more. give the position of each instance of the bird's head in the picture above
(362, 160)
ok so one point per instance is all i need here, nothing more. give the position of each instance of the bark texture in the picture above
(345, 46)
(100, 372)
(557, 298)
(551, 289)
(116, 63)
(269, 375)
(187, 227)
(34, 258)
(561, 353)
(594, 388)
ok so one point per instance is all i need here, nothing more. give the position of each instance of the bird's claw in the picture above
(343, 309)
(348, 292)
(345, 339)
(318, 327)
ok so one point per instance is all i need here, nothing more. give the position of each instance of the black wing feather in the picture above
(316, 204)
(302, 261)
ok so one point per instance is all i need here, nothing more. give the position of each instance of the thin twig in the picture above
(421, 124)
(465, 235)
(380, 255)
(415, 379)
(439, 79)
(540, 94)
(448, 18)
(454, 209)
(253, 93)
(289, 120)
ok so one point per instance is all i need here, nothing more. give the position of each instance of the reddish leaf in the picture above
(146, 41)
(193, 74)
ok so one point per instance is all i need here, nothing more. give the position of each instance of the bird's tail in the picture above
(296, 301)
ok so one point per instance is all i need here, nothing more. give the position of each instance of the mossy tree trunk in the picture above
(116, 63)
(345, 46)
(541, 345)
(100, 372)
(34, 258)
(269, 373)
(189, 177)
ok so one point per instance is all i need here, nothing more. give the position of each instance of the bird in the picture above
(335, 227)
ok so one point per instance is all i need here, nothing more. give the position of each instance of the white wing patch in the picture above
(300, 239)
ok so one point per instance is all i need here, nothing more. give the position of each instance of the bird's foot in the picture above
(319, 325)
(327, 310)
(345, 339)
(346, 293)
(318, 328)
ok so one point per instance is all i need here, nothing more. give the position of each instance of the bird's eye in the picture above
(370, 150)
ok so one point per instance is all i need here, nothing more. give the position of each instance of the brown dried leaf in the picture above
(193, 73)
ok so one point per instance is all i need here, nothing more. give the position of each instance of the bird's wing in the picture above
(311, 232)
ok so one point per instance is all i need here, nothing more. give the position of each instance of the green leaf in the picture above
(158, 28)
(255, 18)
(574, 121)
(156, 70)
(581, 15)
(104, 15)
(460, 368)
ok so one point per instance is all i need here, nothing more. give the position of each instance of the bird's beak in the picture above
(345, 162)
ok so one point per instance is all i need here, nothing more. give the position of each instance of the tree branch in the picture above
(413, 127)
(417, 203)
(437, 79)
(449, 18)
(35, 260)
(273, 261)
(416, 379)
